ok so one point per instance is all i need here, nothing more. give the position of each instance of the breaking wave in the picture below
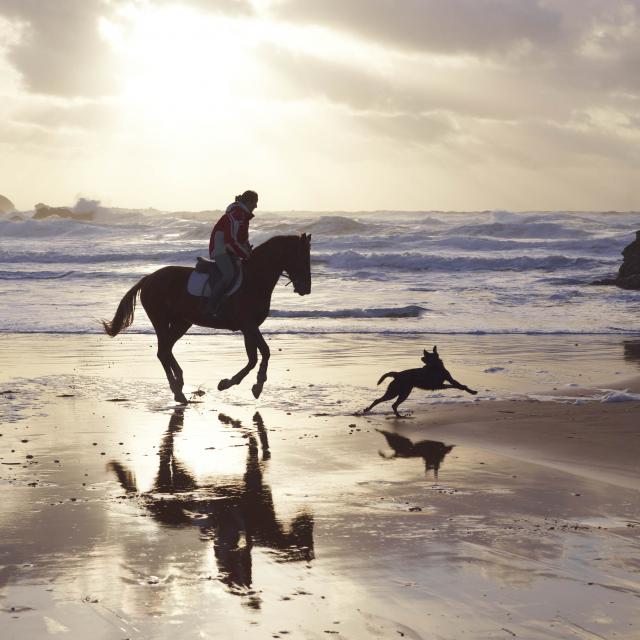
(422, 262)
(409, 311)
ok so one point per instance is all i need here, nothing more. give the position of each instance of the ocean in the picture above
(382, 272)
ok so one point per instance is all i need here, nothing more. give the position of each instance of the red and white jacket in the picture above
(234, 224)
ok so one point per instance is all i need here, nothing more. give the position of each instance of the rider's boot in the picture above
(214, 301)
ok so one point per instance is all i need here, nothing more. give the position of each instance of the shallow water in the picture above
(329, 374)
(194, 521)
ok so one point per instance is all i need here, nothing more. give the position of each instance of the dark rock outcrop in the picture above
(629, 273)
(6, 206)
(45, 211)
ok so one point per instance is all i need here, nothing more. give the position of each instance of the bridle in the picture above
(294, 282)
(293, 279)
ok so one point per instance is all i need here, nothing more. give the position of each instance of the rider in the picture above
(229, 243)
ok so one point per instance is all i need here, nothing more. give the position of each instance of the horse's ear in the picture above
(435, 349)
(425, 352)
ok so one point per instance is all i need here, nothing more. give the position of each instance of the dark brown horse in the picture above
(172, 310)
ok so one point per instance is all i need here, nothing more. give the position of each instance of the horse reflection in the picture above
(235, 514)
(432, 452)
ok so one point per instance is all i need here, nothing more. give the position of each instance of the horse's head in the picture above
(298, 264)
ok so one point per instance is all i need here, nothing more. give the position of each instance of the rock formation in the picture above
(45, 211)
(629, 272)
(6, 206)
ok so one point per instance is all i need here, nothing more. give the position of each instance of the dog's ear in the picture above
(435, 349)
(425, 353)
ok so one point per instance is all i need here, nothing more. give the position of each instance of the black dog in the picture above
(432, 376)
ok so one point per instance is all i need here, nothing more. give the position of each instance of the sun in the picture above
(182, 67)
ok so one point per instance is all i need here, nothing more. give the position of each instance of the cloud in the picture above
(58, 114)
(61, 51)
(419, 85)
(232, 8)
(451, 26)
(412, 129)
(584, 43)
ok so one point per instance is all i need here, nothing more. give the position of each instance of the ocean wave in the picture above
(57, 228)
(141, 254)
(413, 261)
(520, 230)
(399, 331)
(349, 260)
(598, 246)
(18, 275)
(34, 275)
(337, 225)
(409, 311)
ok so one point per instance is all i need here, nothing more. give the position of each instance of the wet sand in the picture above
(124, 516)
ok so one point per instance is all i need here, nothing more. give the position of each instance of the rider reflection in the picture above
(234, 515)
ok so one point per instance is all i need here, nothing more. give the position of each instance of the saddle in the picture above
(205, 265)
(205, 273)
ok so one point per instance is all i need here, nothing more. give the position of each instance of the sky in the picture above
(332, 105)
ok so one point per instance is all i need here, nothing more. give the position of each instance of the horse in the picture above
(172, 310)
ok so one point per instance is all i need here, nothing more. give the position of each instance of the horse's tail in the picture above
(391, 374)
(123, 317)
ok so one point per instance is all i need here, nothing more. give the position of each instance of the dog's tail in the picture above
(391, 374)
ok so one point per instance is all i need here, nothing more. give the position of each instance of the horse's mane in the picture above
(272, 243)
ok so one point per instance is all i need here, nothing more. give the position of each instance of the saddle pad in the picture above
(198, 284)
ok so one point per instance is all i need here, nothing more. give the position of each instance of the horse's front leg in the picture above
(251, 346)
(264, 363)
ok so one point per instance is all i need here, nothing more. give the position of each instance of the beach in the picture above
(511, 513)
(514, 513)
(202, 202)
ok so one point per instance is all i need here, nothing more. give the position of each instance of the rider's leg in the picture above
(227, 272)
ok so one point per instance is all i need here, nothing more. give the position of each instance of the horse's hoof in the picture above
(256, 390)
(224, 384)
(181, 398)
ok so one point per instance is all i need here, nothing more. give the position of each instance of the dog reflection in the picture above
(235, 514)
(432, 452)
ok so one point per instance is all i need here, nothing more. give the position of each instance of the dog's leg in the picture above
(388, 395)
(457, 385)
(401, 398)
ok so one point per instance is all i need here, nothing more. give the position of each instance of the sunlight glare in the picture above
(183, 66)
